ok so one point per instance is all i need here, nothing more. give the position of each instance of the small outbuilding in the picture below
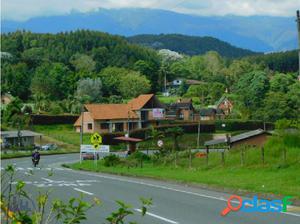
(255, 138)
(19, 138)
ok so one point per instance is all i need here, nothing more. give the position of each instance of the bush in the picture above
(55, 109)
(111, 160)
(139, 156)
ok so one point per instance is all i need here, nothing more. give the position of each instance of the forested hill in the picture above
(280, 61)
(190, 45)
(61, 60)
(57, 73)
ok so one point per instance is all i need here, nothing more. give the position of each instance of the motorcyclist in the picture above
(36, 157)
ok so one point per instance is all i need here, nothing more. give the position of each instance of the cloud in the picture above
(25, 9)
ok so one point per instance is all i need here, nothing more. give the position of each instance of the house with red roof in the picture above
(139, 112)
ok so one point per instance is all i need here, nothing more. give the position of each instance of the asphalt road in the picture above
(172, 203)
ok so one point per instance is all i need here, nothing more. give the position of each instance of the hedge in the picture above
(43, 119)
(236, 125)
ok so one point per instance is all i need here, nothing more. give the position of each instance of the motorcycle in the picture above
(35, 162)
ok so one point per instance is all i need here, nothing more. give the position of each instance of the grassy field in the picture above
(63, 133)
(274, 177)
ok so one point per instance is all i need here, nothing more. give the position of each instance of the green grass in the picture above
(63, 133)
(274, 177)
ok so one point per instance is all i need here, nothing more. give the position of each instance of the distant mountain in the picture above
(189, 45)
(258, 33)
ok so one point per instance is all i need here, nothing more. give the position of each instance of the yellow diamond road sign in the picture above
(96, 140)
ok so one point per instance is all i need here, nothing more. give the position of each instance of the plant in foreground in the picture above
(43, 211)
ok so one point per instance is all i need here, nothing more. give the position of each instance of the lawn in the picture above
(274, 177)
(63, 133)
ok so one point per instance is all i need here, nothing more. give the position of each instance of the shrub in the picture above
(139, 156)
(111, 160)
(55, 109)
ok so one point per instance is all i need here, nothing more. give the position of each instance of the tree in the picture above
(216, 90)
(201, 91)
(100, 56)
(89, 90)
(280, 82)
(213, 64)
(14, 107)
(63, 80)
(252, 88)
(43, 84)
(175, 132)
(16, 80)
(150, 70)
(83, 62)
(111, 79)
(182, 88)
(293, 97)
(33, 57)
(14, 117)
(134, 84)
(275, 106)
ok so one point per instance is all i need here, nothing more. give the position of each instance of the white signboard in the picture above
(158, 113)
(103, 148)
(90, 148)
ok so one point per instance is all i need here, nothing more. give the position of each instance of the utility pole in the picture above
(165, 82)
(81, 128)
(298, 27)
(199, 129)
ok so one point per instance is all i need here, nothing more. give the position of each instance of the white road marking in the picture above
(158, 217)
(157, 186)
(167, 188)
(39, 168)
(86, 192)
(48, 180)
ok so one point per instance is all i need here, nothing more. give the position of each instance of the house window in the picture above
(90, 126)
(104, 126)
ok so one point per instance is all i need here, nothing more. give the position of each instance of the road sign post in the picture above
(95, 147)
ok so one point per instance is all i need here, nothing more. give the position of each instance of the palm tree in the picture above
(175, 132)
(155, 135)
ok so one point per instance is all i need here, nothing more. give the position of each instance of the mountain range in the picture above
(257, 33)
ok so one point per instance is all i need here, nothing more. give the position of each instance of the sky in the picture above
(21, 10)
